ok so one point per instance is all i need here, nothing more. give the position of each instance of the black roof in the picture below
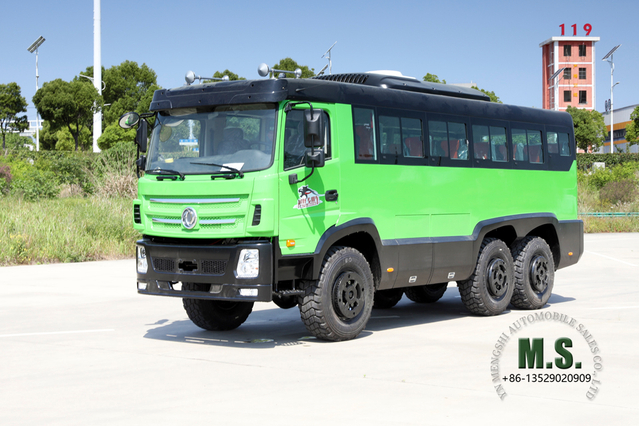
(364, 89)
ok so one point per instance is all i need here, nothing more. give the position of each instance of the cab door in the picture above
(307, 208)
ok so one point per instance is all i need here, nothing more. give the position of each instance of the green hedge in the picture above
(584, 161)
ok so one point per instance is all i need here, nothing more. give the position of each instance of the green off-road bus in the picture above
(343, 192)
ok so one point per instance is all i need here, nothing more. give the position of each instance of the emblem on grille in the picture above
(189, 218)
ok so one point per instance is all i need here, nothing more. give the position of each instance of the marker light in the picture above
(143, 266)
(248, 265)
(290, 243)
(390, 269)
(248, 292)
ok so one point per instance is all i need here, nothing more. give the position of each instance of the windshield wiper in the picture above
(222, 166)
(166, 174)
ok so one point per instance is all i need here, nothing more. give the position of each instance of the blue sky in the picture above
(492, 43)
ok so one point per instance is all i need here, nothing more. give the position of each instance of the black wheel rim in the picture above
(539, 273)
(497, 278)
(348, 295)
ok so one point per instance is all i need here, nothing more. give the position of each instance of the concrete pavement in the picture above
(78, 345)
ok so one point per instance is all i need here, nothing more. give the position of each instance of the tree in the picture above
(113, 135)
(433, 78)
(590, 130)
(632, 130)
(68, 104)
(232, 75)
(11, 104)
(127, 87)
(288, 64)
(491, 95)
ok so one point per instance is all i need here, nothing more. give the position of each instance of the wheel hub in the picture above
(539, 273)
(348, 295)
(497, 277)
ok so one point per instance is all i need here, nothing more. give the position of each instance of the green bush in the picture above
(599, 178)
(5, 179)
(584, 161)
(35, 184)
(615, 192)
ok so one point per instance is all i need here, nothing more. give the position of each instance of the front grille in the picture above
(164, 265)
(137, 218)
(216, 267)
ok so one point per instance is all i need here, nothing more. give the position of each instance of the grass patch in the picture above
(65, 230)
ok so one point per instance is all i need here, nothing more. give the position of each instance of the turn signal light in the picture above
(390, 270)
(290, 243)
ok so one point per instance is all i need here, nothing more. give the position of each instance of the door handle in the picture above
(331, 195)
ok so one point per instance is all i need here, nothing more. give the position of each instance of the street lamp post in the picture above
(34, 48)
(612, 86)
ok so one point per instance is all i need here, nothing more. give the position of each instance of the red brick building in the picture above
(575, 85)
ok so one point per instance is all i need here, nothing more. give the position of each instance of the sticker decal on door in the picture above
(308, 198)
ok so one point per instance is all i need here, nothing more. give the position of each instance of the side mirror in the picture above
(141, 136)
(314, 158)
(313, 128)
(128, 120)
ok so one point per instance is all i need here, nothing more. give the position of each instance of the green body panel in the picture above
(404, 201)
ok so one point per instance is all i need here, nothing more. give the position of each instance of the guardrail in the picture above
(611, 214)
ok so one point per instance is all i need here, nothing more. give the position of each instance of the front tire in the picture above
(489, 289)
(215, 315)
(534, 273)
(338, 305)
(426, 293)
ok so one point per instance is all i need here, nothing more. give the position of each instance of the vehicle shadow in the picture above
(273, 327)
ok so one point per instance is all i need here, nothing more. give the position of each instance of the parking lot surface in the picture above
(78, 345)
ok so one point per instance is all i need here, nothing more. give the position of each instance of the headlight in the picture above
(143, 266)
(248, 266)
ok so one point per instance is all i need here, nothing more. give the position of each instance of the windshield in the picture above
(193, 141)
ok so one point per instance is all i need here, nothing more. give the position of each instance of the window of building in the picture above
(567, 74)
(567, 95)
(582, 50)
(365, 142)
(583, 99)
(582, 73)
(567, 50)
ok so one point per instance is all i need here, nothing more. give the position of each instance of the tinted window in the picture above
(364, 126)
(448, 139)
(294, 148)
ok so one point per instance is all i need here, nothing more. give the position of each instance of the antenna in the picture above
(322, 70)
(330, 62)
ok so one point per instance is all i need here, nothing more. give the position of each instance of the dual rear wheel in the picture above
(522, 275)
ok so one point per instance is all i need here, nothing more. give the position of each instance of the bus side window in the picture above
(535, 151)
(498, 146)
(520, 145)
(564, 144)
(458, 141)
(551, 139)
(480, 142)
(364, 125)
(438, 138)
(412, 135)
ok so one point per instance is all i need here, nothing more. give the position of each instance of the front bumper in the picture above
(216, 265)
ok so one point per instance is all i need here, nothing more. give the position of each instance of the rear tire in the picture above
(489, 289)
(215, 315)
(534, 273)
(338, 305)
(426, 293)
(386, 299)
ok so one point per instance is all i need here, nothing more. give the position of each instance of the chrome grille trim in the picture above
(171, 221)
(216, 221)
(194, 200)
